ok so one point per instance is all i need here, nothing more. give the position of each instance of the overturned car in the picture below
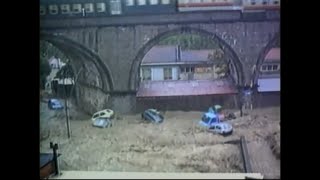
(102, 122)
(152, 115)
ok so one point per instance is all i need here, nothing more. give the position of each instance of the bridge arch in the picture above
(77, 51)
(134, 72)
(272, 43)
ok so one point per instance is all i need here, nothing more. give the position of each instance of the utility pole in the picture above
(66, 97)
(66, 104)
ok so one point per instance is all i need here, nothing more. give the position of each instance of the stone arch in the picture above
(262, 55)
(134, 72)
(77, 51)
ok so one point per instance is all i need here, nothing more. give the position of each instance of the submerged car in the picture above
(208, 119)
(152, 115)
(106, 113)
(102, 122)
(221, 128)
(54, 104)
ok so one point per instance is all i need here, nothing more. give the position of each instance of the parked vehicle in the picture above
(152, 115)
(55, 104)
(102, 122)
(106, 113)
(221, 128)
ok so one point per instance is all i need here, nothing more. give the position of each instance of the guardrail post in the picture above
(245, 155)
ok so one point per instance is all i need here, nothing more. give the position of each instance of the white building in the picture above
(171, 63)
(56, 63)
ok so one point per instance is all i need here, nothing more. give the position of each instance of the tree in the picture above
(218, 58)
(47, 50)
(190, 42)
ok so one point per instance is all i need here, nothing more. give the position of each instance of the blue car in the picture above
(152, 115)
(54, 104)
(208, 119)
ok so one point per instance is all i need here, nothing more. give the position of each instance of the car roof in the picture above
(103, 111)
(54, 100)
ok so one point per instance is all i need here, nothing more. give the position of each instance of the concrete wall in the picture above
(267, 99)
(186, 103)
(91, 99)
(119, 46)
(123, 103)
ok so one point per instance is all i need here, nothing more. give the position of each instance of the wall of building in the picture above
(187, 103)
(267, 99)
(157, 72)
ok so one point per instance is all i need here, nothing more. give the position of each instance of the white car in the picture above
(106, 113)
(102, 123)
(221, 128)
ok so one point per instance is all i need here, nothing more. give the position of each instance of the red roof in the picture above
(185, 88)
(195, 55)
(273, 54)
(160, 54)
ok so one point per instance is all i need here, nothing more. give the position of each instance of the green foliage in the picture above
(219, 60)
(190, 42)
(47, 50)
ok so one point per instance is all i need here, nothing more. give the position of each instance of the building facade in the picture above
(171, 63)
(269, 80)
(269, 72)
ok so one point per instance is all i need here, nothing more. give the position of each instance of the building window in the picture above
(141, 2)
(253, 2)
(76, 8)
(181, 1)
(264, 2)
(115, 7)
(269, 68)
(42, 10)
(146, 73)
(130, 2)
(187, 69)
(101, 7)
(275, 2)
(165, 1)
(153, 2)
(65, 8)
(167, 72)
(88, 7)
(53, 9)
